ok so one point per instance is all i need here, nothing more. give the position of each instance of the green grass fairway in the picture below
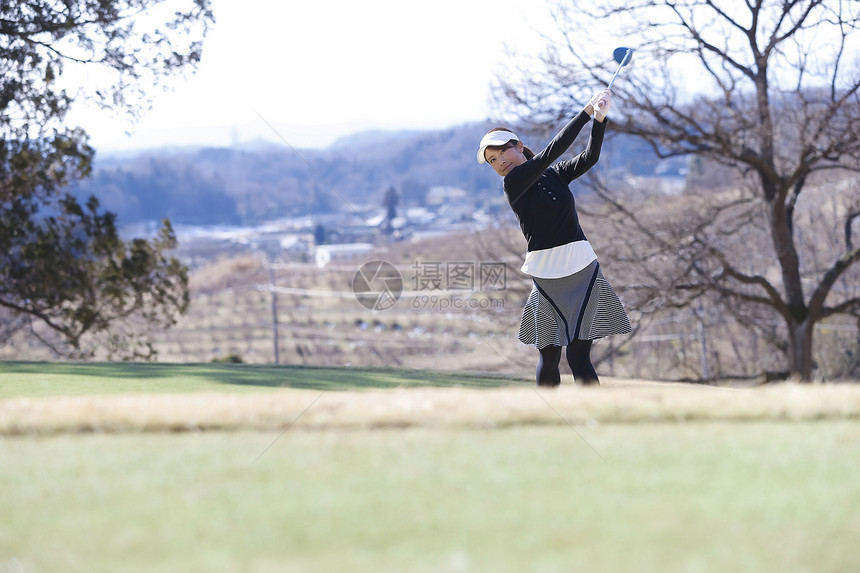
(33, 379)
(137, 468)
(702, 497)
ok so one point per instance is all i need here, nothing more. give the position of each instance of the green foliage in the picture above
(63, 263)
(72, 272)
(41, 39)
(34, 170)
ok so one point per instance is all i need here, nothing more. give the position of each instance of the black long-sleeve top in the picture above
(538, 191)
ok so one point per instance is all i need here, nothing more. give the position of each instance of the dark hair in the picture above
(526, 151)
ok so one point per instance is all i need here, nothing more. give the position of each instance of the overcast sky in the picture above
(320, 69)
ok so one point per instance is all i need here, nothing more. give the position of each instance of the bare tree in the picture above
(766, 88)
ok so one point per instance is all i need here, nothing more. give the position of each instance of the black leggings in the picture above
(578, 357)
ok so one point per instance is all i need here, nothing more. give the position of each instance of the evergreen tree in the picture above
(65, 274)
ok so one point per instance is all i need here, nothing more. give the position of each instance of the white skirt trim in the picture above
(558, 262)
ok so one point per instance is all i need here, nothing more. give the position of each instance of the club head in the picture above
(622, 55)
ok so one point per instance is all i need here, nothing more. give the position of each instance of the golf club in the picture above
(623, 57)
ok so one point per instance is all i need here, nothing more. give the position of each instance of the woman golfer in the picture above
(570, 304)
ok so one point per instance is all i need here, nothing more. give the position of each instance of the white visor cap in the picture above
(493, 139)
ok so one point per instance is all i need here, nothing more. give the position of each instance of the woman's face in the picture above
(505, 159)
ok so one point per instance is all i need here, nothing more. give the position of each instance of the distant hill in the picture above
(372, 137)
(247, 185)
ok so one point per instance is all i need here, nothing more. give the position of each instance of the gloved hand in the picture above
(600, 103)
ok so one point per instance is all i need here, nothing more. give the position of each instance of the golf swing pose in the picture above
(571, 303)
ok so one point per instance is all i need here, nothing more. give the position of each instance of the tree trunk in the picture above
(800, 349)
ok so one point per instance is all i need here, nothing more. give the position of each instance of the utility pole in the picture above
(274, 306)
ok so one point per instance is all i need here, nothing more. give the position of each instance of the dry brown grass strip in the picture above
(615, 402)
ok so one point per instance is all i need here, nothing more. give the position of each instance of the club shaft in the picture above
(621, 64)
(612, 81)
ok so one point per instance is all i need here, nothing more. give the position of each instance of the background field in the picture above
(127, 468)
(36, 379)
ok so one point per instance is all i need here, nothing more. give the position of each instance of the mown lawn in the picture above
(668, 497)
(34, 379)
(757, 489)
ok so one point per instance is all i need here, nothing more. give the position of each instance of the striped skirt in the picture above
(580, 306)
